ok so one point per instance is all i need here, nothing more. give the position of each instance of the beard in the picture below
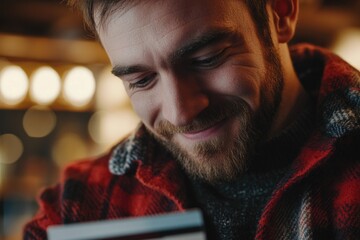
(221, 159)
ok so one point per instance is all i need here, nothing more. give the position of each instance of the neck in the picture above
(294, 96)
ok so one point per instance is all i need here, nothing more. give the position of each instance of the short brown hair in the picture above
(257, 9)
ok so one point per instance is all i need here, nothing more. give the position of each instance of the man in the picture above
(262, 138)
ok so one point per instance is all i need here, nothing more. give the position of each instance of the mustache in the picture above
(215, 113)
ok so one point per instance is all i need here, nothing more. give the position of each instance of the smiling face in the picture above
(197, 77)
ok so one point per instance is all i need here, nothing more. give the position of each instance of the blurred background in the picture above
(59, 102)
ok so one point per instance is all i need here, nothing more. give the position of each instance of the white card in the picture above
(187, 225)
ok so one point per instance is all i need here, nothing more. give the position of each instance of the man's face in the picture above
(197, 77)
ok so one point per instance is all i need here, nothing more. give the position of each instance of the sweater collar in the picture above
(337, 93)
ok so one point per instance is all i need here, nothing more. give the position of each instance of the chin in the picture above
(215, 167)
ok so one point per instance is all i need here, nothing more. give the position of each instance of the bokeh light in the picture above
(67, 148)
(110, 92)
(347, 46)
(14, 84)
(108, 127)
(79, 86)
(11, 148)
(45, 85)
(39, 121)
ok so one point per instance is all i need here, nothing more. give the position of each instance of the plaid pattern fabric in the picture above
(88, 191)
(318, 199)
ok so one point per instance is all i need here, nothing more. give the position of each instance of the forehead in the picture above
(158, 23)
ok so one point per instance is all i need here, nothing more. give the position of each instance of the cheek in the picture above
(146, 108)
(239, 82)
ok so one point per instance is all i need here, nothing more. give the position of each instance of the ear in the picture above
(285, 18)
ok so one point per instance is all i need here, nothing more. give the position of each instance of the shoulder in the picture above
(78, 196)
(94, 176)
(87, 169)
(345, 176)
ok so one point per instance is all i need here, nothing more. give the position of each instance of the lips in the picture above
(204, 133)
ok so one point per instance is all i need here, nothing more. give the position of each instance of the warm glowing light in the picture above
(107, 128)
(45, 85)
(67, 148)
(110, 92)
(348, 46)
(11, 148)
(2, 172)
(79, 86)
(39, 121)
(14, 84)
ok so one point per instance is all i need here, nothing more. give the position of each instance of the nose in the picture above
(183, 99)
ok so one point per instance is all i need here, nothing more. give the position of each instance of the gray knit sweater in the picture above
(232, 209)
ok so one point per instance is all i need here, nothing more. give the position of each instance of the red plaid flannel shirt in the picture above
(318, 199)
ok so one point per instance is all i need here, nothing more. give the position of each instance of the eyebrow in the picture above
(208, 38)
(200, 42)
(127, 70)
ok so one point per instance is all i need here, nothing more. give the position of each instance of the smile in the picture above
(205, 133)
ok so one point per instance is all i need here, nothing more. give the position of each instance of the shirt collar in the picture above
(128, 151)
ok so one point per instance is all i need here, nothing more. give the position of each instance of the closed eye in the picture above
(209, 61)
(143, 82)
